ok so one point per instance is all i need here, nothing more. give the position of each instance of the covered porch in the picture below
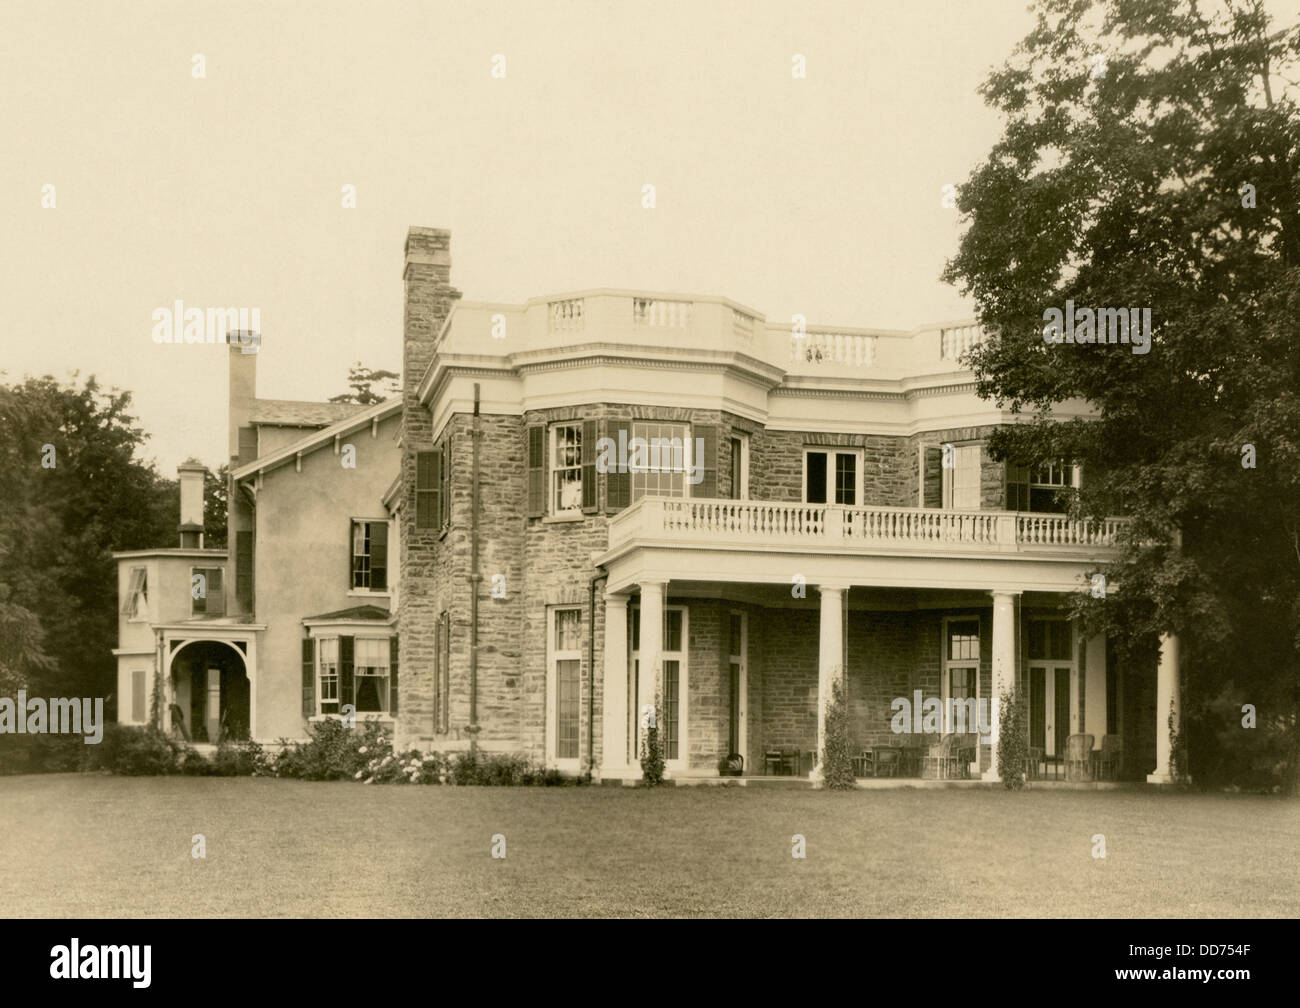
(209, 681)
(924, 635)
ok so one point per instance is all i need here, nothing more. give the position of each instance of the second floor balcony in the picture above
(829, 528)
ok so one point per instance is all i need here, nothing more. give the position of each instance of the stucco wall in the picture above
(303, 560)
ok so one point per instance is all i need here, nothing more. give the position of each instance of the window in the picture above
(566, 468)
(137, 594)
(961, 661)
(565, 682)
(961, 477)
(672, 667)
(1050, 486)
(327, 688)
(739, 486)
(370, 675)
(1049, 640)
(660, 470)
(370, 556)
(832, 477)
(207, 593)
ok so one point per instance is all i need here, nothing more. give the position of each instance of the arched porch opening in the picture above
(210, 693)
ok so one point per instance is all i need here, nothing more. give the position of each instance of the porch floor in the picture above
(890, 783)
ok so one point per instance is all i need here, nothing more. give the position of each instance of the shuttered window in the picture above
(136, 597)
(428, 489)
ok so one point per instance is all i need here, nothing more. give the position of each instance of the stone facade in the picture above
(532, 564)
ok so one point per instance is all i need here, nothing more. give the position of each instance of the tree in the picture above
(74, 492)
(368, 387)
(1149, 159)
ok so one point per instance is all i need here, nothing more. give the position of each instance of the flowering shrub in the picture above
(334, 752)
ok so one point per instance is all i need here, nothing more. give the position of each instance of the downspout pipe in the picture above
(475, 434)
(600, 575)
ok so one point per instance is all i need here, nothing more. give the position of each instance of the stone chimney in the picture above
(429, 299)
(191, 528)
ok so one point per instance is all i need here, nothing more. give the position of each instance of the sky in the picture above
(820, 196)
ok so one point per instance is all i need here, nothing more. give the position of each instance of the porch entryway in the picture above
(210, 693)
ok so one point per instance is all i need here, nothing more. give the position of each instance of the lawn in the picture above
(97, 846)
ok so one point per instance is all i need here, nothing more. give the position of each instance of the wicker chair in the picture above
(1078, 758)
(887, 762)
(1112, 756)
(938, 759)
(1034, 762)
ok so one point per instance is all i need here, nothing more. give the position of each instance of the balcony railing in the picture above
(800, 526)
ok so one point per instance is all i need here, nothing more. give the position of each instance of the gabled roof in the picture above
(361, 612)
(358, 419)
(294, 413)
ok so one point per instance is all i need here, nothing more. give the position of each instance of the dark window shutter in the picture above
(308, 677)
(589, 466)
(706, 460)
(932, 477)
(392, 675)
(345, 672)
(352, 554)
(536, 470)
(244, 569)
(1017, 487)
(379, 556)
(138, 713)
(444, 493)
(428, 489)
(216, 600)
(618, 482)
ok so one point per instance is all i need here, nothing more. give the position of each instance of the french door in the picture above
(672, 715)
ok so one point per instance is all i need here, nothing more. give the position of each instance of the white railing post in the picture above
(834, 527)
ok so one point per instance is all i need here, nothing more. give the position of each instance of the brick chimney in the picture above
(191, 476)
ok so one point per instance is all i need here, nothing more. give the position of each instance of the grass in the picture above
(98, 846)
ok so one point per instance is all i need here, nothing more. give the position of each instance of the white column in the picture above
(1167, 696)
(613, 758)
(650, 681)
(830, 660)
(1004, 670)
